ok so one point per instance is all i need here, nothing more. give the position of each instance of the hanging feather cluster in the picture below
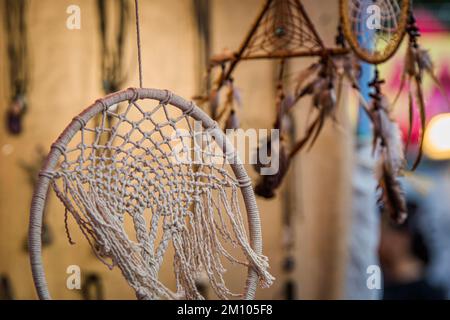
(322, 90)
(225, 112)
(418, 63)
(388, 146)
(275, 151)
(267, 184)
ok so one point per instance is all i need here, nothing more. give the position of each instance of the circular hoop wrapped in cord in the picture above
(374, 29)
(101, 174)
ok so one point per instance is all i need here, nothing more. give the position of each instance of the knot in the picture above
(135, 96)
(102, 103)
(59, 146)
(168, 97)
(175, 227)
(47, 174)
(80, 120)
(244, 183)
(190, 109)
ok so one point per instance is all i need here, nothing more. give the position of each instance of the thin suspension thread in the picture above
(138, 38)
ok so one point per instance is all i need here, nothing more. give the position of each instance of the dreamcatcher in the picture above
(166, 167)
(374, 28)
(282, 30)
(375, 42)
(418, 63)
(16, 34)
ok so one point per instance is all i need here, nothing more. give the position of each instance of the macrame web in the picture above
(154, 166)
(283, 28)
(376, 36)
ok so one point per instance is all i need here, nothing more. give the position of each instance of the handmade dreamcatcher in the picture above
(371, 31)
(374, 28)
(16, 34)
(282, 30)
(375, 42)
(166, 168)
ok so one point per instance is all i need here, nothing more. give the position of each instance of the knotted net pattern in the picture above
(376, 24)
(155, 159)
(284, 28)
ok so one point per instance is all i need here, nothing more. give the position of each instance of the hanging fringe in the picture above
(197, 241)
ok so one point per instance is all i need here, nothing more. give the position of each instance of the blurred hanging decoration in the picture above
(374, 31)
(388, 146)
(282, 30)
(418, 63)
(374, 28)
(6, 290)
(16, 34)
(114, 20)
(112, 35)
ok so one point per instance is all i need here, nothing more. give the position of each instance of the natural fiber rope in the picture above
(138, 39)
(198, 209)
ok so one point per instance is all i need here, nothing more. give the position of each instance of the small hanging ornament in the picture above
(388, 146)
(282, 30)
(16, 34)
(418, 63)
(15, 114)
(278, 157)
(374, 38)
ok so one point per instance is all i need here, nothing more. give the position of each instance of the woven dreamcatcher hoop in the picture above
(146, 165)
(374, 28)
(148, 180)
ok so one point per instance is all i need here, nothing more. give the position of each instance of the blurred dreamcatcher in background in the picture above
(17, 50)
(369, 31)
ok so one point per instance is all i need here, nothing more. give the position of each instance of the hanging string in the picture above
(138, 38)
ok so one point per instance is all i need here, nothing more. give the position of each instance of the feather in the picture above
(392, 194)
(214, 102)
(410, 118)
(392, 141)
(267, 184)
(390, 163)
(302, 142)
(409, 71)
(232, 122)
(426, 65)
(305, 75)
(423, 119)
(237, 97)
